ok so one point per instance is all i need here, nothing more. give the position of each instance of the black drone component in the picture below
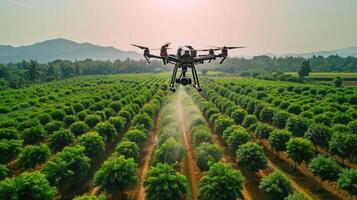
(185, 59)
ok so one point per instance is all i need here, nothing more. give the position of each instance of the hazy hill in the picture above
(345, 52)
(63, 49)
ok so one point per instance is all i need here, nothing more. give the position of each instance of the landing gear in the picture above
(183, 79)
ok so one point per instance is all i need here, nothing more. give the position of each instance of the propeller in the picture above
(209, 49)
(225, 47)
(141, 47)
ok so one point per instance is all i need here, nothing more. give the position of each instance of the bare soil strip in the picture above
(194, 172)
(146, 156)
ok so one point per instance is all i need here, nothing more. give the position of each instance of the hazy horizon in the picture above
(274, 26)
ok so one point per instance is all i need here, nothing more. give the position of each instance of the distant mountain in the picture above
(63, 49)
(350, 51)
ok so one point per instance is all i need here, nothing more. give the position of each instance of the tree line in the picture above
(18, 74)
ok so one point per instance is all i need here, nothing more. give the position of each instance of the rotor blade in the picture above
(209, 49)
(235, 47)
(215, 47)
(167, 44)
(141, 47)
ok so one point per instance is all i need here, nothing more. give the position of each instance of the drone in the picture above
(186, 58)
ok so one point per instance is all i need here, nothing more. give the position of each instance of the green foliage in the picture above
(323, 119)
(92, 120)
(200, 135)
(353, 126)
(280, 118)
(128, 149)
(143, 119)
(93, 144)
(116, 174)
(68, 166)
(297, 126)
(296, 196)
(33, 135)
(69, 120)
(163, 183)
(79, 128)
(106, 130)
(338, 81)
(9, 134)
(294, 109)
(325, 168)
(276, 185)
(29, 186)
(304, 70)
(348, 180)
(221, 123)
(31, 156)
(267, 114)
(59, 139)
(53, 126)
(343, 144)
(57, 115)
(251, 157)
(206, 155)
(238, 115)
(4, 172)
(278, 140)
(136, 135)
(87, 197)
(9, 150)
(249, 120)
(299, 149)
(263, 131)
(319, 134)
(221, 182)
(170, 152)
(118, 122)
(237, 137)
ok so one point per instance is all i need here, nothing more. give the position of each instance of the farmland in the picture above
(127, 137)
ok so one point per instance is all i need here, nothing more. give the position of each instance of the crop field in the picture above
(128, 137)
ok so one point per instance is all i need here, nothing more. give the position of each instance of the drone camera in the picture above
(184, 80)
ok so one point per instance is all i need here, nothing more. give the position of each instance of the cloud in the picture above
(16, 2)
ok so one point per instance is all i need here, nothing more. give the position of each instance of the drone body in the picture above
(186, 58)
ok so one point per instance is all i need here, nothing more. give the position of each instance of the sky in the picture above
(263, 26)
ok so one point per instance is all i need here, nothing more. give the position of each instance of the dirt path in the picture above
(146, 159)
(194, 172)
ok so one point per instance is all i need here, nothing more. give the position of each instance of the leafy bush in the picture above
(280, 118)
(68, 166)
(297, 126)
(69, 119)
(106, 130)
(294, 109)
(348, 180)
(59, 139)
(93, 144)
(251, 157)
(343, 144)
(296, 196)
(276, 185)
(238, 115)
(9, 134)
(323, 119)
(319, 134)
(31, 156)
(249, 120)
(115, 105)
(58, 115)
(221, 123)
(299, 150)
(136, 135)
(92, 120)
(29, 186)
(87, 197)
(267, 114)
(325, 168)
(128, 149)
(4, 172)
(170, 152)
(143, 119)
(237, 137)
(53, 126)
(118, 122)
(200, 135)
(79, 128)
(221, 182)
(163, 182)
(353, 126)
(263, 131)
(278, 140)
(9, 150)
(341, 119)
(206, 155)
(116, 174)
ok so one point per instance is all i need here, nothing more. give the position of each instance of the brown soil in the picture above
(138, 193)
(194, 172)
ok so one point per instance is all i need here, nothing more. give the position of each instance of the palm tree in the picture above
(50, 73)
(32, 74)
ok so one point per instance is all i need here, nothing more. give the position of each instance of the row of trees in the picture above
(297, 148)
(18, 74)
